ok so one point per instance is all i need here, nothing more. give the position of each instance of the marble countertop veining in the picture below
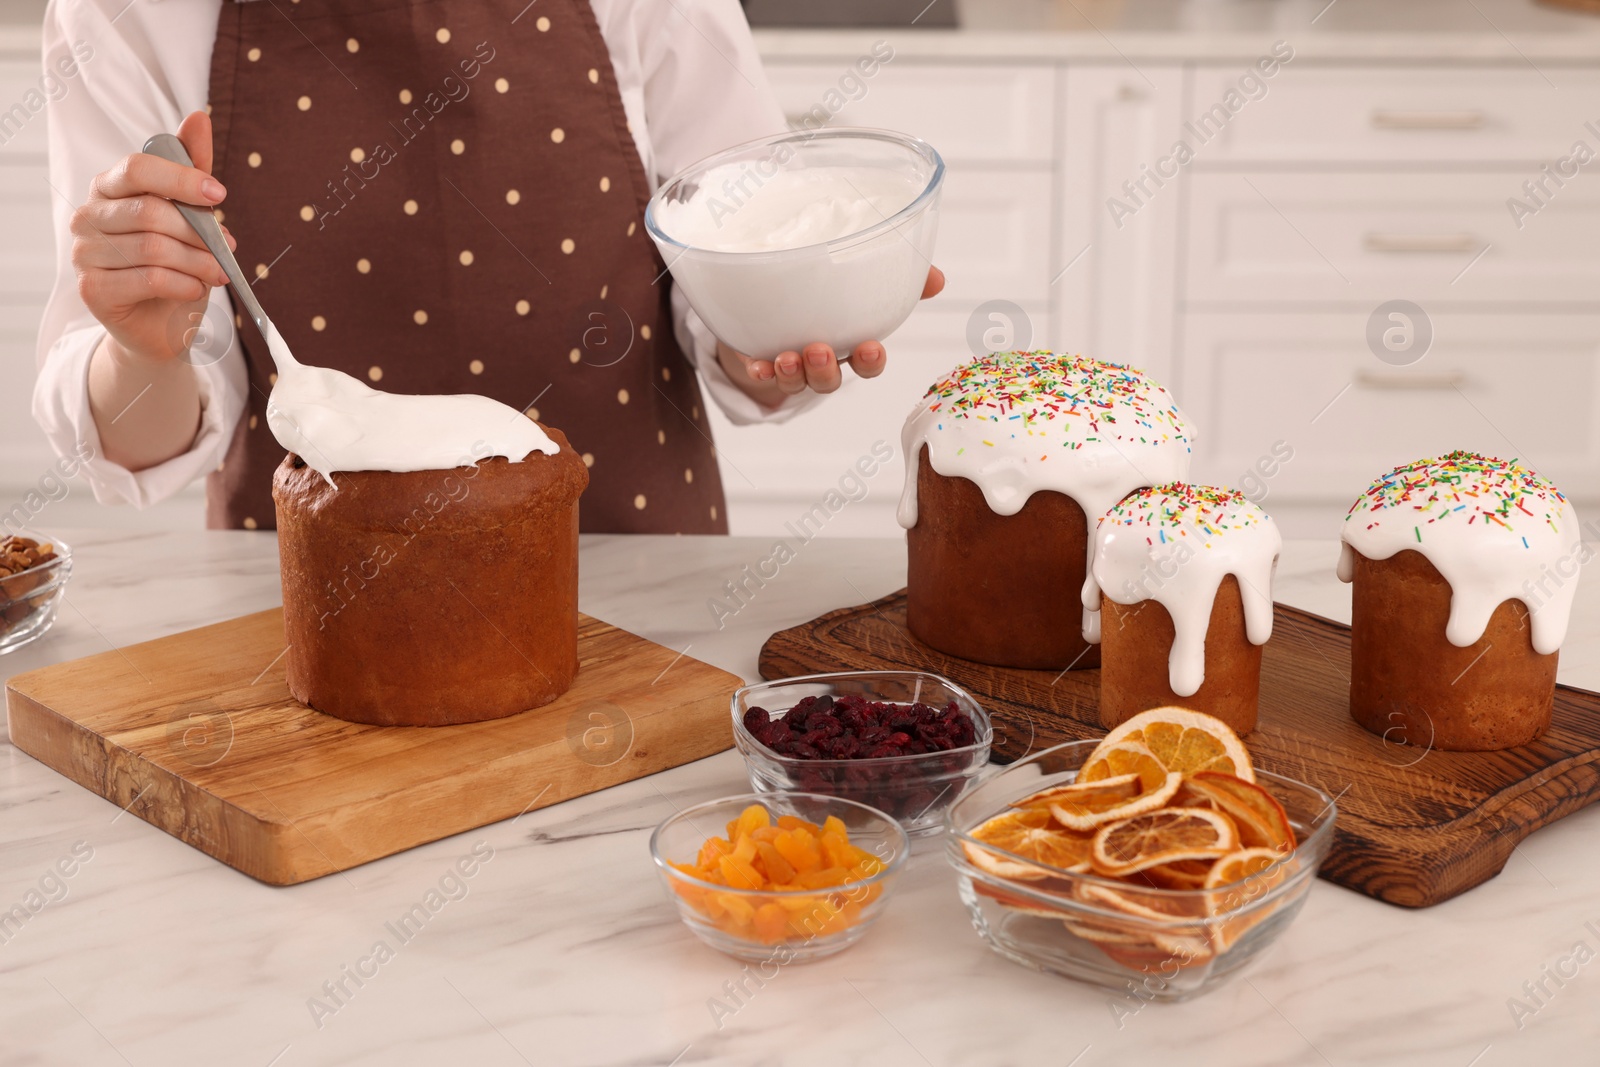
(564, 950)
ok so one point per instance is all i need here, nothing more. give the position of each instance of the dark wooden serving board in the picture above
(197, 734)
(1415, 827)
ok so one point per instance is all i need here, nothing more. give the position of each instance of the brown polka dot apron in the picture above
(442, 196)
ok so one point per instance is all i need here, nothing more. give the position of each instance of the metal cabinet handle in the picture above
(1428, 120)
(1443, 380)
(1420, 242)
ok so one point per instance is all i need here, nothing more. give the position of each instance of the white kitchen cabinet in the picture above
(772, 474)
(971, 113)
(1115, 277)
(1387, 115)
(1318, 235)
(994, 235)
(1513, 386)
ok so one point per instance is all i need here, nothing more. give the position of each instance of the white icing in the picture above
(337, 423)
(1495, 531)
(1166, 545)
(733, 209)
(1016, 423)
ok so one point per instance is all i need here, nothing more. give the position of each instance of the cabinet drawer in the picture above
(1274, 236)
(994, 235)
(1385, 115)
(22, 129)
(1524, 386)
(982, 112)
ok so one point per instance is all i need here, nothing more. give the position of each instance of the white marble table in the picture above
(564, 950)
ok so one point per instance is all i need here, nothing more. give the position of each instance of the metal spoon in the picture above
(204, 221)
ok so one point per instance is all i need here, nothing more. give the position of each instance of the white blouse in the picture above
(691, 84)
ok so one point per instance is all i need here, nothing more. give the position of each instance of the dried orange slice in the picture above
(1239, 865)
(1033, 834)
(1084, 806)
(1124, 786)
(1105, 932)
(1177, 738)
(1139, 842)
(1179, 874)
(1015, 902)
(1236, 881)
(1261, 819)
(1127, 759)
(1147, 904)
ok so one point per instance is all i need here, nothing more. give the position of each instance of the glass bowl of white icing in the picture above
(815, 235)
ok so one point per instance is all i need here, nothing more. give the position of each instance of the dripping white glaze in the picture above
(1174, 544)
(1494, 530)
(337, 423)
(1015, 423)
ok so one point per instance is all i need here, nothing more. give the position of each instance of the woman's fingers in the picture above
(136, 214)
(935, 283)
(869, 359)
(104, 292)
(791, 373)
(822, 368)
(195, 133)
(141, 173)
(760, 370)
(116, 251)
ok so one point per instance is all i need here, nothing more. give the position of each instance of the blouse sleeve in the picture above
(133, 74)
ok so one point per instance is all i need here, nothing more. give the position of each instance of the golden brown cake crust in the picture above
(1409, 684)
(998, 589)
(1136, 641)
(427, 598)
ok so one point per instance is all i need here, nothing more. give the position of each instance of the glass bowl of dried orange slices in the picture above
(779, 877)
(1156, 862)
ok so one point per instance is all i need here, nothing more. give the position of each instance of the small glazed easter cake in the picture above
(1463, 572)
(1183, 576)
(1010, 461)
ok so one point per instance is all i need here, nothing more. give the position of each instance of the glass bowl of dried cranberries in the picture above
(905, 742)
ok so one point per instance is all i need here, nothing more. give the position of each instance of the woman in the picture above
(438, 196)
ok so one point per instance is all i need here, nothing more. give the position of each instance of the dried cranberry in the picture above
(756, 721)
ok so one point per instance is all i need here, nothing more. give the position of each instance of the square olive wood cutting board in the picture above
(197, 734)
(1415, 827)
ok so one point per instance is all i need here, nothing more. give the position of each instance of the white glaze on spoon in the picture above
(1174, 544)
(1495, 530)
(336, 423)
(1015, 423)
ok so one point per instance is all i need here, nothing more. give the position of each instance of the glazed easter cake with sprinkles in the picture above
(1011, 459)
(1183, 575)
(1463, 571)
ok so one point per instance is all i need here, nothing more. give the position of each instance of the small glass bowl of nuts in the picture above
(33, 576)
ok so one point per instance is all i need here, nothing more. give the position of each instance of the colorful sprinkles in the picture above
(1498, 492)
(1181, 507)
(1041, 392)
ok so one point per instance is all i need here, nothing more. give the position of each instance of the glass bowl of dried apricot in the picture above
(1157, 861)
(779, 877)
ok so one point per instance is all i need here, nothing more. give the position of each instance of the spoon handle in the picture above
(204, 221)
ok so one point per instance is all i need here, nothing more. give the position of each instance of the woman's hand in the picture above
(146, 276)
(814, 368)
(142, 270)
